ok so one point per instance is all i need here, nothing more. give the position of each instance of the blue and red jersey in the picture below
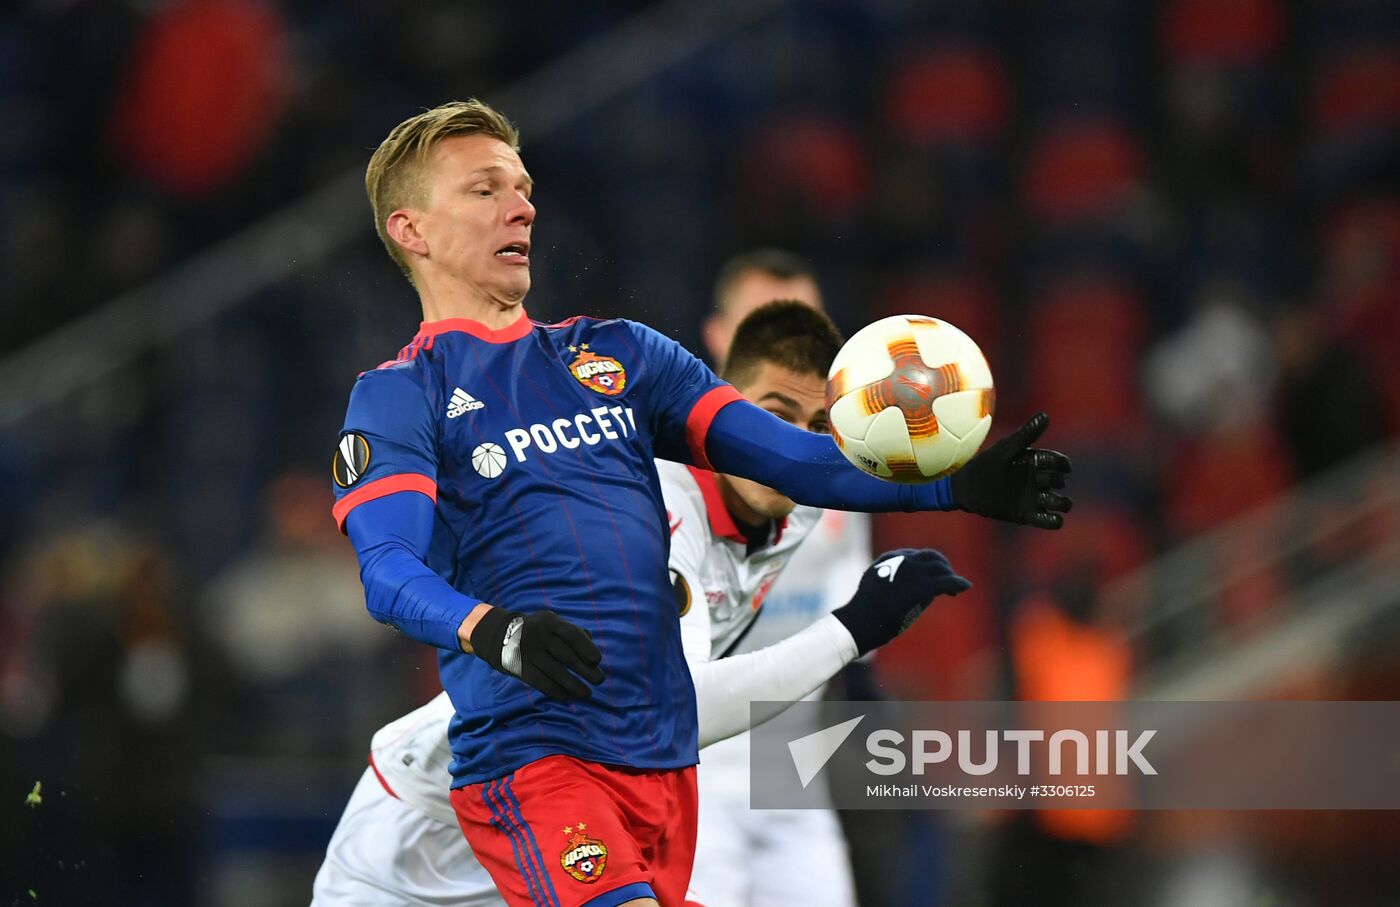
(536, 443)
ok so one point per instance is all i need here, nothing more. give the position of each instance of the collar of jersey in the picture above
(721, 523)
(508, 334)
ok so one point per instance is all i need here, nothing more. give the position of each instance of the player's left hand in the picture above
(542, 649)
(1012, 481)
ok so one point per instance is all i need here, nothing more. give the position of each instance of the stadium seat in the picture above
(816, 161)
(949, 94)
(203, 94)
(1103, 538)
(1210, 479)
(1210, 33)
(942, 655)
(1357, 93)
(1085, 354)
(1081, 170)
(966, 301)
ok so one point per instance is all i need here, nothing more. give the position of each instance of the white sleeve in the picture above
(783, 672)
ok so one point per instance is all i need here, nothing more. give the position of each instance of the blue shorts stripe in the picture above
(622, 895)
(535, 846)
(500, 824)
(517, 844)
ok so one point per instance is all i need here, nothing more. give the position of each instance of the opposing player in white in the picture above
(398, 844)
(754, 857)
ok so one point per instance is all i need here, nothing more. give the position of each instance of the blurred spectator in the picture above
(1062, 651)
(1224, 96)
(101, 700)
(1361, 288)
(289, 618)
(1328, 406)
(1218, 368)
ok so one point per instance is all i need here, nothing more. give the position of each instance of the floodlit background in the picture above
(1175, 226)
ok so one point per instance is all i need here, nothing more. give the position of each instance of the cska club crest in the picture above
(602, 374)
(585, 858)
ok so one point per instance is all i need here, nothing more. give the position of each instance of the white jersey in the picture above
(786, 856)
(729, 579)
(821, 576)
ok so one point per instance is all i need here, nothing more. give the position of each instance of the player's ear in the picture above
(712, 332)
(403, 227)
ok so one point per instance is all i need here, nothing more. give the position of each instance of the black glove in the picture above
(541, 649)
(1012, 481)
(894, 591)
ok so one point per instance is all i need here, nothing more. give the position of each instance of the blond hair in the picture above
(394, 178)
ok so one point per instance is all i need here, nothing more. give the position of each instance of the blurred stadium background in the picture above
(1174, 225)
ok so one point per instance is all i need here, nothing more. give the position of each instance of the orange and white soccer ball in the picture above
(910, 398)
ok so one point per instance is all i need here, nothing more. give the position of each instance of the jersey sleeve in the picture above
(388, 443)
(682, 397)
(782, 673)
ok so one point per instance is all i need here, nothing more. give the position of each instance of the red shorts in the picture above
(560, 832)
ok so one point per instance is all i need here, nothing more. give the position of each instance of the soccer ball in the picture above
(910, 398)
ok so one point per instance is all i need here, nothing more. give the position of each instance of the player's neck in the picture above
(441, 304)
(750, 522)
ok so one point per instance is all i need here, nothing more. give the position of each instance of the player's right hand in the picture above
(542, 649)
(1013, 481)
(894, 591)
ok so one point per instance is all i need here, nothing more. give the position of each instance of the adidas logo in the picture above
(462, 402)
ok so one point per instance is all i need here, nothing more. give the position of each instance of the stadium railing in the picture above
(1288, 588)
